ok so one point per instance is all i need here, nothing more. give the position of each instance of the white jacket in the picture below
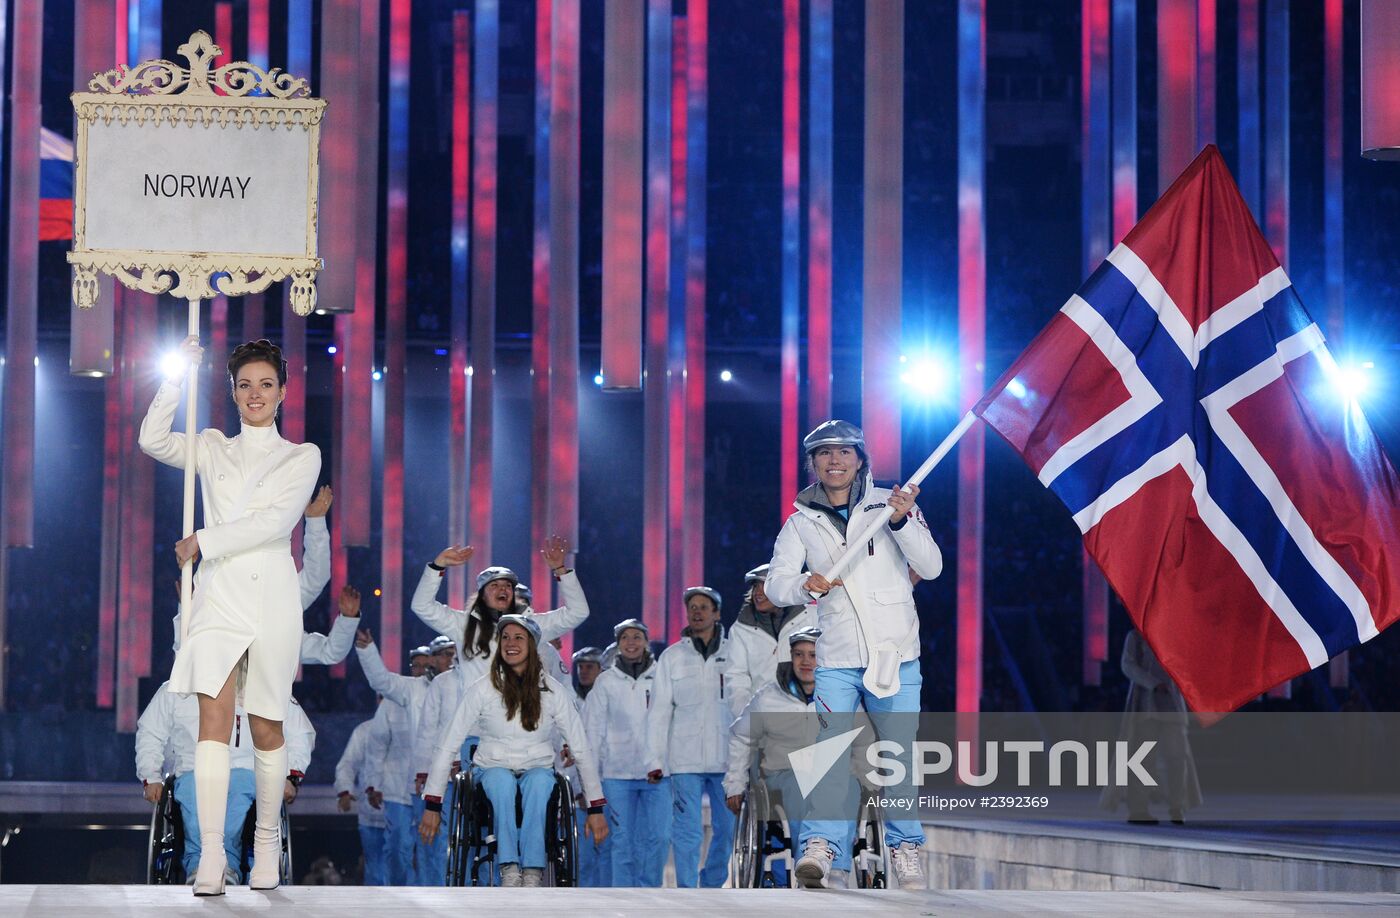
(357, 772)
(754, 653)
(444, 619)
(439, 704)
(404, 701)
(615, 716)
(169, 729)
(688, 724)
(507, 744)
(315, 560)
(775, 737)
(874, 610)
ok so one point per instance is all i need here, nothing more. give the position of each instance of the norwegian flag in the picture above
(1180, 406)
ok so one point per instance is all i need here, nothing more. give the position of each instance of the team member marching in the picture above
(245, 629)
(357, 777)
(688, 739)
(594, 860)
(758, 639)
(615, 716)
(868, 653)
(515, 710)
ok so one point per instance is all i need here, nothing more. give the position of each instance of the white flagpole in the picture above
(853, 545)
(191, 432)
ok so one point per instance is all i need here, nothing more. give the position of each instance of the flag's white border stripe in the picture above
(1241, 307)
(53, 145)
(1182, 454)
(1142, 396)
(1218, 405)
(1150, 289)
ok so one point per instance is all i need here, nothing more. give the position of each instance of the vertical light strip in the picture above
(1247, 168)
(223, 33)
(697, 134)
(259, 34)
(1205, 73)
(122, 48)
(659, 101)
(395, 324)
(22, 273)
(148, 38)
(338, 198)
(819, 186)
(1333, 221)
(357, 460)
(1276, 152)
(540, 577)
(1125, 175)
(627, 28)
(293, 423)
(563, 270)
(1176, 89)
(130, 458)
(339, 565)
(790, 371)
(673, 614)
(216, 354)
(115, 414)
(461, 248)
(485, 64)
(90, 344)
(884, 233)
(972, 294)
(143, 508)
(1095, 219)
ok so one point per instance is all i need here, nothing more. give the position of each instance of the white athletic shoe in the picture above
(909, 866)
(532, 876)
(510, 875)
(814, 864)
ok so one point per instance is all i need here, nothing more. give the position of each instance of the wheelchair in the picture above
(165, 854)
(471, 836)
(761, 843)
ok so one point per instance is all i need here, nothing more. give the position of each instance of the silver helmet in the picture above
(495, 573)
(587, 655)
(757, 575)
(524, 621)
(834, 433)
(711, 592)
(629, 623)
(524, 595)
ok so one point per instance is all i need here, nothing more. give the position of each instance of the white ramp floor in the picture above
(369, 902)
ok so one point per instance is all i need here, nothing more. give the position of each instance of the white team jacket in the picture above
(688, 724)
(453, 622)
(615, 716)
(775, 737)
(357, 772)
(754, 654)
(871, 621)
(169, 729)
(404, 701)
(506, 743)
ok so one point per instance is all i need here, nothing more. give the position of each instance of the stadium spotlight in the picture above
(927, 377)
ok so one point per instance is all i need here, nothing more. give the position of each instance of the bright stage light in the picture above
(377, 376)
(1351, 381)
(173, 365)
(927, 378)
(726, 376)
(330, 349)
(598, 379)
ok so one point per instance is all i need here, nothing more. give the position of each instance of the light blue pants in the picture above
(400, 835)
(688, 830)
(639, 820)
(843, 691)
(240, 800)
(523, 844)
(372, 844)
(594, 860)
(785, 783)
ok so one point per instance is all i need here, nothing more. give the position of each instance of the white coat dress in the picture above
(247, 602)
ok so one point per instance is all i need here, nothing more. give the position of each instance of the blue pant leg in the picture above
(372, 844)
(536, 784)
(838, 691)
(499, 785)
(901, 726)
(431, 858)
(594, 860)
(721, 834)
(655, 813)
(399, 834)
(189, 816)
(240, 801)
(623, 848)
(687, 827)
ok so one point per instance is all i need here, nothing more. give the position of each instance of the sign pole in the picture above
(191, 457)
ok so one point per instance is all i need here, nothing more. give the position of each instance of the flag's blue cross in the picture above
(1181, 413)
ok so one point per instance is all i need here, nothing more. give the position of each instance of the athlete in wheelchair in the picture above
(770, 810)
(511, 804)
(167, 731)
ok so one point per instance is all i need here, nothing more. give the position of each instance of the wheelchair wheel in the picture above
(561, 835)
(164, 863)
(285, 868)
(460, 849)
(870, 857)
(479, 843)
(748, 842)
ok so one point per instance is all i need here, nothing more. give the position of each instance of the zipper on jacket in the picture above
(870, 548)
(237, 727)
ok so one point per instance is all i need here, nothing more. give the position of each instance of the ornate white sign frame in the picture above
(157, 91)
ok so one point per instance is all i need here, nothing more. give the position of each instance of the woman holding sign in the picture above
(245, 627)
(868, 652)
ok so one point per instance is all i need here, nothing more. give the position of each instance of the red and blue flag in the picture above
(55, 186)
(1183, 406)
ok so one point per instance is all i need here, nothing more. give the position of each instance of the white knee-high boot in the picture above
(270, 779)
(211, 801)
